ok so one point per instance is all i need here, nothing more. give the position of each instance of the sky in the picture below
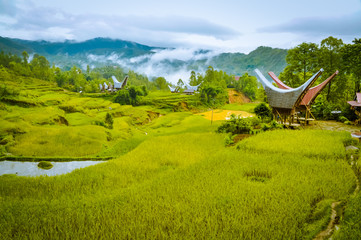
(227, 26)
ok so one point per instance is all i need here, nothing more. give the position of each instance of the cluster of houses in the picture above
(189, 91)
(116, 86)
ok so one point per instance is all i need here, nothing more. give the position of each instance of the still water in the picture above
(32, 169)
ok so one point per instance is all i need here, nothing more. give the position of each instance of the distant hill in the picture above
(264, 58)
(130, 55)
(92, 46)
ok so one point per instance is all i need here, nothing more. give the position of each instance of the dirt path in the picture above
(333, 224)
(237, 97)
(333, 126)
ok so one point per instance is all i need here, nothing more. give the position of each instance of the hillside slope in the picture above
(131, 55)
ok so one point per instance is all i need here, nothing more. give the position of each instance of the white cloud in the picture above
(218, 25)
(159, 63)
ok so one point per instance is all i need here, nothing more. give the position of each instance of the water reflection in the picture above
(32, 169)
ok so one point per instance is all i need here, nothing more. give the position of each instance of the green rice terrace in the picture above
(165, 172)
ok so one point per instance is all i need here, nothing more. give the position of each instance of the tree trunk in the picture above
(328, 91)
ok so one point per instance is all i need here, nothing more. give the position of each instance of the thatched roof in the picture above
(311, 94)
(119, 85)
(286, 98)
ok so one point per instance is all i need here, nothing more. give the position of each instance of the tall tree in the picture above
(330, 58)
(161, 83)
(25, 57)
(40, 67)
(247, 85)
(193, 79)
(180, 83)
(302, 63)
(351, 58)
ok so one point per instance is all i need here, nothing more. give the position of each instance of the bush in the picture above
(263, 111)
(271, 126)
(99, 123)
(122, 97)
(342, 119)
(109, 121)
(6, 91)
(236, 125)
(45, 165)
(213, 95)
(229, 140)
(131, 96)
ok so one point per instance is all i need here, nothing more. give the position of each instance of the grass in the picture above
(46, 121)
(183, 185)
(247, 107)
(171, 176)
(56, 141)
(311, 143)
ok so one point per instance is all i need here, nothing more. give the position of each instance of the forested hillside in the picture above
(104, 51)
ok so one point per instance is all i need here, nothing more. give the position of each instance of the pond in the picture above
(32, 169)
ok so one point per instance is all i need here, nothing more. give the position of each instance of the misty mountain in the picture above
(92, 46)
(171, 63)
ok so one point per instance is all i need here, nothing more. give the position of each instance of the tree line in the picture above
(331, 54)
(74, 79)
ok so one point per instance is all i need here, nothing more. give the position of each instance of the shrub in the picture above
(342, 119)
(109, 121)
(122, 97)
(45, 165)
(6, 91)
(229, 140)
(131, 96)
(263, 111)
(236, 125)
(100, 123)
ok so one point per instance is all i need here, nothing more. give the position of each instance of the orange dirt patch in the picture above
(237, 97)
(219, 114)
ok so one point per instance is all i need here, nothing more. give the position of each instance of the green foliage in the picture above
(342, 119)
(229, 139)
(302, 62)
(122, 97)
(248, 107)
(273, 125)
(154, 191)
(332, 54)
(270, 59)
(351, 222)
(213, 90)
(213, 95)
(161, 83)
(236, 125)
(247, 85)
(7, 91)
(45, 165)
(131, 96)
(109, 121)
(283, 179)
(351, 58)
(331, 60)
(310, 143)
(263, 111)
